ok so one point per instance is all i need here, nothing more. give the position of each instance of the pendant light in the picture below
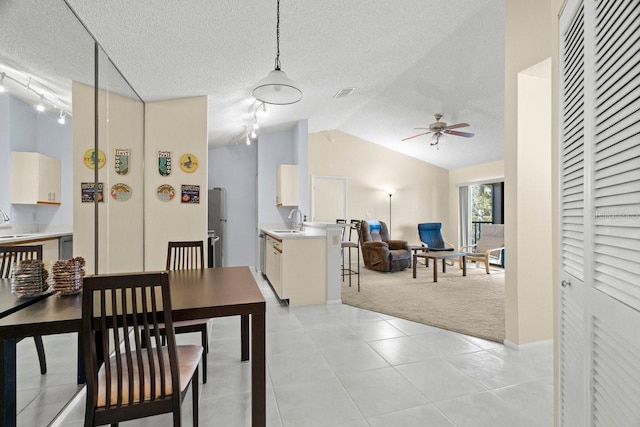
(277, 88)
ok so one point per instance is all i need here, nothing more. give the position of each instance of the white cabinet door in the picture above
(35, 179)
(287, 185)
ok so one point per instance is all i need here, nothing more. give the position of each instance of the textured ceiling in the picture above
(406, 60)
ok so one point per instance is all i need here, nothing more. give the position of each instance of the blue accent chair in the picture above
(431, 236)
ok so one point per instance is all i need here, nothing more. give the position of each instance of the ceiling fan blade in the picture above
(423, 128)
(414, 136)
(458, 125)
(457, 133)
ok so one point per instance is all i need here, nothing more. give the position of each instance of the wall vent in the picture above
(344, 92)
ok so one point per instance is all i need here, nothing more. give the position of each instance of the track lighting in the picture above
(20, 83)
(40, 106)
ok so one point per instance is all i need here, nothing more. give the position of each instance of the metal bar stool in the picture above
(348, 244)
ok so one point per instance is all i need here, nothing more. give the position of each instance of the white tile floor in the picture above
(334, 365)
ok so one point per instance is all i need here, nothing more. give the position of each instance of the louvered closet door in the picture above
(602, 319)
(615, 298)
(573, 391)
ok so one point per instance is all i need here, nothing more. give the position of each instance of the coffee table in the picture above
(435, 256)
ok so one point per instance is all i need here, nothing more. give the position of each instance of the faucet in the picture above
(296, 223)
(5, 217)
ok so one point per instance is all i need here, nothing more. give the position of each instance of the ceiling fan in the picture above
(439, 128)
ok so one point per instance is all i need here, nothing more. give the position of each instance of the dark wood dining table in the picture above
(195, 294)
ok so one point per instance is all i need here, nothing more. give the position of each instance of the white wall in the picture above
(234, 168)
(22, 128)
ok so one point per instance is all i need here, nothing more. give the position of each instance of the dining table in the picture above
(195, 294)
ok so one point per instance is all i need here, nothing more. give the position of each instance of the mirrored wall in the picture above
(47, 56)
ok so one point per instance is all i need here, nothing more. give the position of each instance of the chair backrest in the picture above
(11, 254)
(354, 226)
(122, 313)
(431, 234)
(373, 230)
(491, 237)
(187, 255)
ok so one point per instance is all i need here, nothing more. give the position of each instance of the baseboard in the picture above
(334, 301)
(514, 346)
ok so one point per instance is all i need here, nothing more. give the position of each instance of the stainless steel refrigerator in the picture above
(217, 226)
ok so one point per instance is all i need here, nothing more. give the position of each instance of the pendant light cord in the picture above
(278, 36)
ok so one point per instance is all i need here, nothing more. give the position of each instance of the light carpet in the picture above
(472, 305)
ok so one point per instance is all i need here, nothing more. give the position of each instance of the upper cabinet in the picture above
(287, 185)
(35, 179)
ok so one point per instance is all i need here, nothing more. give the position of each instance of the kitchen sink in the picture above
(286, 231)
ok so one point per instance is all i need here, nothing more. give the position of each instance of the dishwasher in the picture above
(65, 247)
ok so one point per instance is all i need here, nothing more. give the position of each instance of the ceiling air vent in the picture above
(343, 92)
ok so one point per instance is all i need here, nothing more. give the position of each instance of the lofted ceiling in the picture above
(405, 60)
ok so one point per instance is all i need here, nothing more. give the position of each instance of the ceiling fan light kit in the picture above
(277, 88)
(439, 129)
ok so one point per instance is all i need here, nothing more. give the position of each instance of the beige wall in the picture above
(120, 222)
(179, 126)
(482, 173)
(528, 41)
(421, 189)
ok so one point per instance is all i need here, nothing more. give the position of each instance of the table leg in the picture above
(464, 265)
(435, 270)
(8, 382)
(258, 371)
(444, 265)
(244, 337)
(415, 261)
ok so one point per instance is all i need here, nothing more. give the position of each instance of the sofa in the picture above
(379, 252)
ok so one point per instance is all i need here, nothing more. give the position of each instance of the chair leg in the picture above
(486, 265)
(194, 397)
(41, 356)
(204, 355)
(350, 268)
(358, 267)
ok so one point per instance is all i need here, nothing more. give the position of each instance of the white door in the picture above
(600, 213)
(328, 198)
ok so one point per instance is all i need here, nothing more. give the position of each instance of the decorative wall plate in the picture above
(165, 192)
(121, 192)
(188, 163)
(90, 159)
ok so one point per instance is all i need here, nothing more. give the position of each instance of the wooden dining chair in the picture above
(141, 377)
(189, 255)
(9, 255)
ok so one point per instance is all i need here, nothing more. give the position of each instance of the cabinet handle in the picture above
(566, 283)
(54, 197)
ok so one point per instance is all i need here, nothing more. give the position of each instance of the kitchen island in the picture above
(303, 266)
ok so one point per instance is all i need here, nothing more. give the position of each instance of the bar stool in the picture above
(348, 244)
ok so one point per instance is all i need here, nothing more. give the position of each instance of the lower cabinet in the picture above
(273, 267)
(297, 269)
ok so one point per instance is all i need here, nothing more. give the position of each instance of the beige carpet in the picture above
(472, 305)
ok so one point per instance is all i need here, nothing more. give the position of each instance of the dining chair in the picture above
(189, 255)
(9, 255)
(141, 377)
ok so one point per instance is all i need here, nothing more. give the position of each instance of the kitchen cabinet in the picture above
(297, 269)
(35, 179)
(273, 264)
(287, 185)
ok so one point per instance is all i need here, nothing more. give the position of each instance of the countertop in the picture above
(10, 237)
(310, 230)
